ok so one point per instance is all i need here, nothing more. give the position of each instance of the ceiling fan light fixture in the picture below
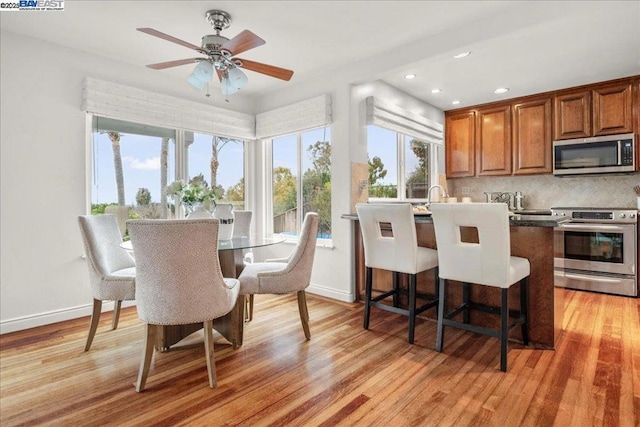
(196, 82)
(237, 78)
(203, 71)
(227, 87)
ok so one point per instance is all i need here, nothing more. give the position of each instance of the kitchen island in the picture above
(531, 238)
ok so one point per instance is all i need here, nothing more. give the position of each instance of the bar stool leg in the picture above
(412, 306)
(465, 301)
(523, 309)
(441, 306)
(396, 289)
(504, 329)
(367, 295)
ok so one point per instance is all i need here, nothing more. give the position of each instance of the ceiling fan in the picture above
(220, 56)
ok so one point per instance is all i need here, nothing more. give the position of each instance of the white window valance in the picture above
(308, 114)
(392, 117)
(127, 103)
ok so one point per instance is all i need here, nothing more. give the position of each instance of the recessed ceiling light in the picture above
(462, 55)
(501, 90)
(436, 90)
(456, 102)
(410, 76)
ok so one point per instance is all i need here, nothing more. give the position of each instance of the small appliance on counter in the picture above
(596, 250)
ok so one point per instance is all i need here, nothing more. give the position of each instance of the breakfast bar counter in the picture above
(531, 238)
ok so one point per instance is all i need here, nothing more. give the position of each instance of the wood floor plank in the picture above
(343, 376)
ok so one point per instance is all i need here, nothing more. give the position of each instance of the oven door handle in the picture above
(592, 227)
(591, 278)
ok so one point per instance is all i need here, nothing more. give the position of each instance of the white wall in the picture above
(43, 150)
(333, 275)
(43, 154)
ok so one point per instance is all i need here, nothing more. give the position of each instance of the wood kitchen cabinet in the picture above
(493, 141)
(531, 122)
(603, 110)
(460, 144)
(572, 118)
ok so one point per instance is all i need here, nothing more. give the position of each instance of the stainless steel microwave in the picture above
(600, 154)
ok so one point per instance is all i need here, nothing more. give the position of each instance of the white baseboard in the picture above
(331, 293)
(40, 319)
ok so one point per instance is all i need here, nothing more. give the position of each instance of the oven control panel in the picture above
(602, 215)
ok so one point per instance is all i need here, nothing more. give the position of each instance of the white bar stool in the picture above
(398, 253)
(488, 263)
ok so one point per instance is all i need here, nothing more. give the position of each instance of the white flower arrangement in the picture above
(192, 194)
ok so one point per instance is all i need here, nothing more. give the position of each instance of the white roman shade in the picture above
(392, 117)
(137, 105)
(303, 115)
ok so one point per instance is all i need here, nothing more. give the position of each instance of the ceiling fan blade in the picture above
(219, 73)
(242, 42)
(169, 64)
(167, 37)
(269, 70)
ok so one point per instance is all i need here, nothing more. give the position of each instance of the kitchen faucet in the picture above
(443, 193)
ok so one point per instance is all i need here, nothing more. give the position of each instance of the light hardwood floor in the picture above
(344, 376)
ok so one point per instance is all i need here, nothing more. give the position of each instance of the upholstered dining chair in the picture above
(242, 228)
(111, 269)
(286, 275)
(396, 250)
(488, 262)
(179, 281)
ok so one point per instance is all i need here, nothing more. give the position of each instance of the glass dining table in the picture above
(230, 326)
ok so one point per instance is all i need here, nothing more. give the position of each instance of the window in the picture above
(220, 161)
(302, 180)
(400, 166)
(133, 163)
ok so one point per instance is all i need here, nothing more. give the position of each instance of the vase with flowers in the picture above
(199, 201)
(196, 197)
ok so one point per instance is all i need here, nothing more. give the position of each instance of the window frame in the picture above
(401, 169)
(268, 190)
(181, 166)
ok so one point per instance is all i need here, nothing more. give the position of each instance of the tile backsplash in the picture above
(546, 191)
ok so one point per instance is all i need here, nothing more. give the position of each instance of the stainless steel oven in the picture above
(596, 250)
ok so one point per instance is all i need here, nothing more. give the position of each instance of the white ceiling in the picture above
(527, 46)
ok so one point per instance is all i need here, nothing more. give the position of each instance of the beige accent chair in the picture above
(242, 223)
(487, 263)
(242, 228)
(286, 275)
(112, 270)
(179, 281)
(394, 249)
(122, 215)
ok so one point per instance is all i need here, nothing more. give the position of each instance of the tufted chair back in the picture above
(179, 280)
(101, 237)
(242, 223)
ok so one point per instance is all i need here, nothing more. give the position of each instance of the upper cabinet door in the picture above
(532, 137)
(493, 143)
(612, 110)
(573, 115)
(460, 144)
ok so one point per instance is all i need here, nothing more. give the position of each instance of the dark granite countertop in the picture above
(515, 220)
